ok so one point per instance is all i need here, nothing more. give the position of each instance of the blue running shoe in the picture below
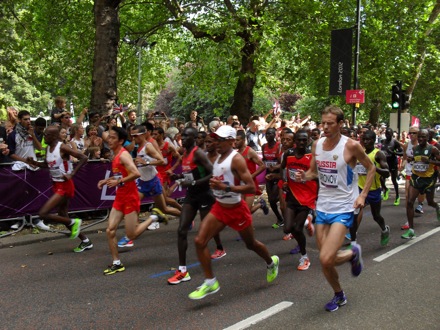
(357, 263)
(264, 206)
(336, 302)
(125, 242)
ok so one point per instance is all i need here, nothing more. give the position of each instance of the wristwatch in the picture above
(147, 162)
(193, 183)
(228, 188)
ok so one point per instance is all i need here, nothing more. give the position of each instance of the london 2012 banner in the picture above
(25, 192)
(341, 61)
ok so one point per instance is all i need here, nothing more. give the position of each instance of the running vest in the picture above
(305, 193)
(222, 171)
(191, 171)
(420, 168)
(167, 157)
(362, 172)
(119, 171)
(338, 187)
(252, 167)
(409, 153)
(270, 155)
(57, 166)
(147, 172)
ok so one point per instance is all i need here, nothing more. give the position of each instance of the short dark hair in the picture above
(241, 134)
(159, 130)
(40, 122)
(23, 113)
(122, 133)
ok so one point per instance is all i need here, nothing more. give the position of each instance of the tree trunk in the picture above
(244, 90)
(104, 89)
(373, 119)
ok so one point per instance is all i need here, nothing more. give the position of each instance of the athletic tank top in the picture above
(362, 172)
(420, 168)
(191, 171)
(409, 153)
(147, 172)
(252, 167)
(305, 193)
(271, 156)
(338, 188)
(119, 171)
(222, 171)
(57, 166)
(167, 157)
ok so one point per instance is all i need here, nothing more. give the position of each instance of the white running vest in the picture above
(57, 166)
(147, 172)
(222, 171)
(409, 153)
(338, 187)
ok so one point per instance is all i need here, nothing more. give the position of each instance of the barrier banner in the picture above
(25, 192)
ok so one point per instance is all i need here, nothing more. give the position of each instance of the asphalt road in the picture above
(44, 285)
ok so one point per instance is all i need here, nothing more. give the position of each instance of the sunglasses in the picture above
(67, 117)
(410, 133)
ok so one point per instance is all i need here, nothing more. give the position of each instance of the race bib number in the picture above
(292, 172)
(55, 172)
(270, 163)
(328, 177)
(420, 167)
(188, 177)
(360, 169)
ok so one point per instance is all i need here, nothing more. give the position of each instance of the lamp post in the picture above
(140, 44)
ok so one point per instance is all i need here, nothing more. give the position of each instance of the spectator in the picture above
(57, 112)
(22, 141)
(40, 125)
(253, 136)
(12, 116)
(77, 140)
(213, 126)
(4, 151)
(195, 121)
(92, 139)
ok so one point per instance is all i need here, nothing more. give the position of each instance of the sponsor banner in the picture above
(340, 61)
(25, 192)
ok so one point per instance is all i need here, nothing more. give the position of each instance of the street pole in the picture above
(356, 58)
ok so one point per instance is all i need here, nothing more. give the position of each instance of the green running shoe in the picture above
(163, 218)
(397, 201)
(75, 229)
(113, 269)
(386, 194)
(204, 290)
(385, 236)
(83, 246)
(409, 234)
(272, 272)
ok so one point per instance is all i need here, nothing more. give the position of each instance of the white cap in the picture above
(226, 132)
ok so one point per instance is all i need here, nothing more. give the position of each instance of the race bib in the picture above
(360, 169)
(55, 172)
(292, 172)
(328, 177)
(420, 167)
(188, 177)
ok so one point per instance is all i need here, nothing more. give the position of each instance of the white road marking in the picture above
(260, 316)
(406, 245)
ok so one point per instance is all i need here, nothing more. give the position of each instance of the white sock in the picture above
(154, 217)
(304, 256)
(210, 281)
(306, 223)
(72, 221)
(182, 269)
(116, 262)
(86, 240)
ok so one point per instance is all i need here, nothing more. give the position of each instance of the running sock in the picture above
(86, 240)
(182, 269)
(116, 262)
(220, 247)
(72, 221)
(339, 294)
(305, 256)
(210, 281)
(154, 217)
(271, 264)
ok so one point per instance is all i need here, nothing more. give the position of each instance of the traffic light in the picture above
(396, 95)
(404, 101)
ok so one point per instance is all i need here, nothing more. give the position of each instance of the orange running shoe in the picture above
(179, 277)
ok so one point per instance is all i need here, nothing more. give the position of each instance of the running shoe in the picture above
(309, 226)
(16, 225)
(337, 301)
(264, 207)
(397, 201)
(75, 228)
(386, 194)
(356, 262)
(348, 236)
(405, 226)
(287, 237)
(154, 226)
(125, 242)
(295, 250)
(304, 263)
(272, 272)
(385, 236)
(179, 277)
(218, 254)
(277, 225)
(41, 225)
(419, 209)
(162, 216)
(409, 234)
(83, 246)
(113, 269)
(204, 290)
